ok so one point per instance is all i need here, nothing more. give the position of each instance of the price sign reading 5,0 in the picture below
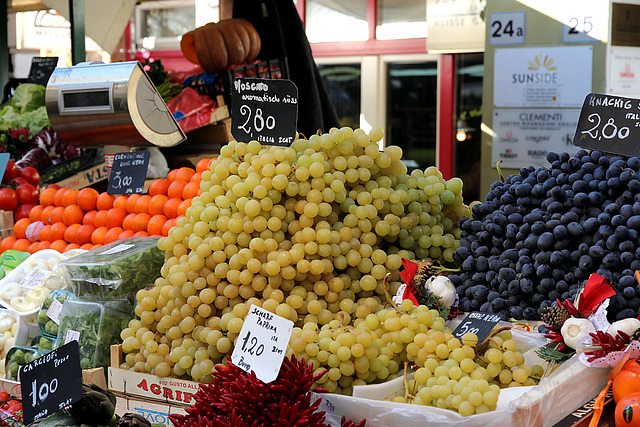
(264, 110)
(262, 343)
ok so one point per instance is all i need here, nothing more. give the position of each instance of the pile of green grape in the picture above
(307, 232)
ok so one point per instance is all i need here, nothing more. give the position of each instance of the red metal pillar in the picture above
(446, 116)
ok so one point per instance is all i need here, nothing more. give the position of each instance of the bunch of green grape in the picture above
(308, 231)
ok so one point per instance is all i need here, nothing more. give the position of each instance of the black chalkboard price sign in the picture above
(477, 323)
(128, 172)
(41, 69)
(264, 110)
(610, 124)
(51, 382)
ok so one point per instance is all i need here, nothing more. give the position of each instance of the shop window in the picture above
(468, 114)
(343, 82)
(160, 24)
(401, 19)
(336, 21)
(411, 111)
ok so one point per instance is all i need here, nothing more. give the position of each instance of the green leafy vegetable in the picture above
(28, 97)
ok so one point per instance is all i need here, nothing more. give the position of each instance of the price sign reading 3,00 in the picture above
(120, 181)
(128, 172)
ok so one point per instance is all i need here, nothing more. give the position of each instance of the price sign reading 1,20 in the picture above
(51, 382)
(128, 173)
(264, 110)
(262, 343)
(610, 124)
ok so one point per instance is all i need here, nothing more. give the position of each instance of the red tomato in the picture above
(27, 193)
(4, 396)
(18, 181)
(56, 186)
(22, 212)
(30, 174)
(10, 172)
(8, 199)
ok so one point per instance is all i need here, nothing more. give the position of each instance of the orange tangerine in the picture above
(100, 219)
(20, 228)
(43, 235)
(115, 216)
(7, 243)
(58, 245)
(126, 234)
(56, 214)
(44, 245)
(203, 165)
(105, 201)
(158, 186)
(72, 215)
(175, 188)
(97, 237)
(156, 204)
(142, 204)
(127, 222)
(167, 226)
(57, 231)
(21, 245)
(185, 173)
(83, 234)
(170, 209)
(140, 221)
(112, 235)
(87, 246)
(87, 198)
(131, 202)
(46, 214)
(196, 177)
(89, 217)
(35, 214)
(141, 233)
(156, 222)
(184, 205)
(70, 233)
(121, 202)
(57, 198)
(33, 247)
(171, 176)
(190, 190)
(71, 246)
(46, 196)
(70, 197)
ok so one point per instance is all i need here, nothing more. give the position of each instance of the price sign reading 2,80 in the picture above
(264, 110)
(610, 124)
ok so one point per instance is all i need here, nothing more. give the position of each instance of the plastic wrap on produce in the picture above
(566, 389)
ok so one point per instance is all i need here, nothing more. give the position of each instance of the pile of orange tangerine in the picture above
(69, 219)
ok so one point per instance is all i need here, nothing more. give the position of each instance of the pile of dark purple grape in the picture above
(540, 235)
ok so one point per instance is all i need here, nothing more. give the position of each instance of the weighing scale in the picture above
(115, 105)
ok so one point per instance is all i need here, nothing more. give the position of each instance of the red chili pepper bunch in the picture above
(236, 398)
(10, 411)
(348, 423)
(607, 344)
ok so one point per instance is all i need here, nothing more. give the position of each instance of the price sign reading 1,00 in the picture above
(608, 131)
(40, 393)
(255, 120)
(251, 345)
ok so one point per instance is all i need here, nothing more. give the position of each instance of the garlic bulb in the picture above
(575, 329)
(629, 326)
(442, 287)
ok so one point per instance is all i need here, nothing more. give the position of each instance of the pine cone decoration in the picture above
(636, 335)
(555, 316)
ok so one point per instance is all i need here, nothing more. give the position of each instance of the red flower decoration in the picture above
(410, 270)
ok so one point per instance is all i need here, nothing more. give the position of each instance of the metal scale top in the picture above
(109, 104)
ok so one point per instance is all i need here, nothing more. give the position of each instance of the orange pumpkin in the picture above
(628, 411)
(219, 45)
(627, 381)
